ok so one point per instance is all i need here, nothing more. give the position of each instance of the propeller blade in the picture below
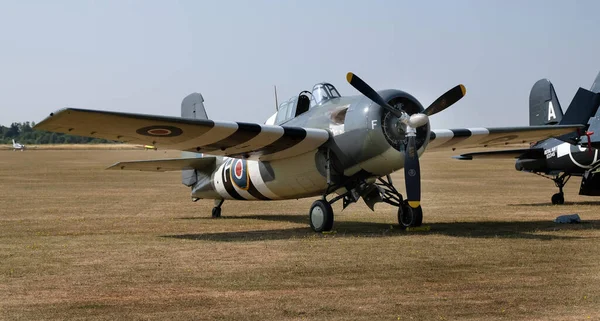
(446, 100)
(412, 173)
(366, 90)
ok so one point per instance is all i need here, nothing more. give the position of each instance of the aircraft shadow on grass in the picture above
(565, 205)
(501, 229)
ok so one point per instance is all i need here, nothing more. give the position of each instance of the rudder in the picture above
(544, 108)
(192, 107)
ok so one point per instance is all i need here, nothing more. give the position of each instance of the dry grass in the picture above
(78, 242)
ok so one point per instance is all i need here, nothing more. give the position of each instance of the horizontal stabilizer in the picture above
(165, 165)
(525, 153)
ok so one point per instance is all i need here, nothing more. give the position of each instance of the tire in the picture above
(558, 199)
(408, 216)
(216, 212)
(321, 216)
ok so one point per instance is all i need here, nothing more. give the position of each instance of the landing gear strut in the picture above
(560, 181)
(216, 211)
(321, 213)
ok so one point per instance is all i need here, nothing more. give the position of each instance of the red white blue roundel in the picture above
(160, 131)
(239, 173)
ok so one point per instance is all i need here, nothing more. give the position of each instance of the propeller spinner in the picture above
(412, 170)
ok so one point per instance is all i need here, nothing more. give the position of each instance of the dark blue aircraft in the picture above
(563, 157)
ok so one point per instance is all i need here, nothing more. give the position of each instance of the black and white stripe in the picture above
(235, 139)
(484, 137)
(253, 141)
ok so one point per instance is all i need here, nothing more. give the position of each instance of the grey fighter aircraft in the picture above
(557, 158)
(318, 143)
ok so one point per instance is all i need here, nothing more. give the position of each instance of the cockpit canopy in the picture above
(298, 105)
(323, 92)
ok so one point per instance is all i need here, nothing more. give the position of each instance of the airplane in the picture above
(318, 143)
(553, 158)
(18, 146)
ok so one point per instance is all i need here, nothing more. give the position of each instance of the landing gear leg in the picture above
(407, 216)
(560, 181)
(216, 211)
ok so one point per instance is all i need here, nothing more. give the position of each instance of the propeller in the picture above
(412, 170)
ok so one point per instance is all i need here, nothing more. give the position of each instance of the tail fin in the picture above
(14, 142)
(192, 107)
(583, 106)
(596, 85)
(544, 108)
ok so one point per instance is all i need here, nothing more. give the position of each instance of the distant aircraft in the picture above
(318, 143)
(17, 146)
(554, 158)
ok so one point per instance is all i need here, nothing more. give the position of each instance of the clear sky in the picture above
(145, 56)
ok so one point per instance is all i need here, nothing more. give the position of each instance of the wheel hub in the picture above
(317, 216)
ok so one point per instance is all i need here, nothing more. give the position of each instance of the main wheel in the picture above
(408, 216)
(216, 212)
(321, 216)
(558, 199)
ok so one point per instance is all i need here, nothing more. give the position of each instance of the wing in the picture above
(528, 153)
(164, 165)
(234, 139)
(451, 139)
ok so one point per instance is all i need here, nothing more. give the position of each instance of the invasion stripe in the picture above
(215, 134)
(228, 184)
(458, 135)
(291, 137)
(254, 192)
(244, 133)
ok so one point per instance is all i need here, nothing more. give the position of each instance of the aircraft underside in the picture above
(300, 177)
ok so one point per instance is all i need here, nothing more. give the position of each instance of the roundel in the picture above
(160, 131)
(239, 174)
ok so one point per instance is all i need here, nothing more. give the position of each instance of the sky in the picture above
(145, 56)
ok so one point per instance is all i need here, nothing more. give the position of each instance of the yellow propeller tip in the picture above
(414, 204)
(349, 76)
(463, 89)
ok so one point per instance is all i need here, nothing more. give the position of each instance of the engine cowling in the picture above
(374, 139)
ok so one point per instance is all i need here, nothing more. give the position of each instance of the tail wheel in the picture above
(408, 216)
(321, 216)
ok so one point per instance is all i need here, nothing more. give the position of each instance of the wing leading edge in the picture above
(451, 139)
(233, 139)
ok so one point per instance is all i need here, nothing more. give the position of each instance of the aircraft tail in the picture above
(596, 85)
(192, 107)
(544, 108)
(14, 142)
(583, 106)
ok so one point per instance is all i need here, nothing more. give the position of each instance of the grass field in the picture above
(78, 242)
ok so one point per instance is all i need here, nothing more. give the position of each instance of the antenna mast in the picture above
(276, 102)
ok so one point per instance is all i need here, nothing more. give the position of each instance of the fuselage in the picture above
(365, 143)
(560, 157)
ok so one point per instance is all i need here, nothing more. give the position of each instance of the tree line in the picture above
(25, 134)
